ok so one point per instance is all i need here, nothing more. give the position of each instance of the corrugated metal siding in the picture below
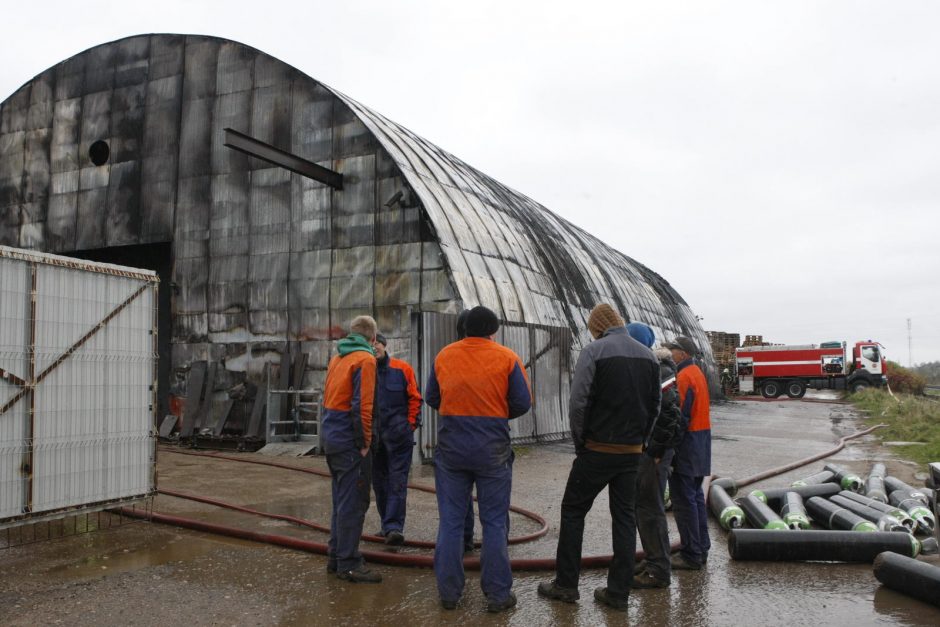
(263, 257)
(515, 256)
(544, 352)
(93, 337)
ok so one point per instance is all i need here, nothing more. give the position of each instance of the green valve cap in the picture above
(924, 519)
(731, 518)
(777, 524)
(851, 482)
(759, 495)
(865, 526)
(796, 521)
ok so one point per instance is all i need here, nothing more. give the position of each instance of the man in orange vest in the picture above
(477, 386)
(346, 436)
(693, 459)
(399, 406)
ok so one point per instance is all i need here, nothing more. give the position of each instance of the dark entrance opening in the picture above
(156, 257)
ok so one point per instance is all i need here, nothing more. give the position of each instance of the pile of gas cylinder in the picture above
(833, 499)
(835, 516)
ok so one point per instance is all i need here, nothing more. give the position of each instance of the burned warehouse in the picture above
(274, 209)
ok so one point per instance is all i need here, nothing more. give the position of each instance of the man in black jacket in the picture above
(614, 402)
(655, 571)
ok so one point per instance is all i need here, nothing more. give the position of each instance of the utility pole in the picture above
(910, 359)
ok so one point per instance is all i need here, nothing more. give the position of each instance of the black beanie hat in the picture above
(381, 339)
(481, 322)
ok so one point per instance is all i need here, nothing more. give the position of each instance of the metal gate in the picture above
(77, 385)
(545, 353)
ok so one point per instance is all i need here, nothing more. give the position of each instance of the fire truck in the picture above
(777, 370)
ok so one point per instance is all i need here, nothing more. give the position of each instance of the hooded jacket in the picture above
(349, 396)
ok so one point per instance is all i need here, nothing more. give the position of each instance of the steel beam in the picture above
(266, 152)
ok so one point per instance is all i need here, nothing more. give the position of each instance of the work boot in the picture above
(552, 590)
(448, 605)
(680, 563)
(602, 595)
(647, 580)
(331, 568)
(639, 567)
(501, 606)
(360, 575)
(394, 538)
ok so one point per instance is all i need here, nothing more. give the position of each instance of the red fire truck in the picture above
(776, 370)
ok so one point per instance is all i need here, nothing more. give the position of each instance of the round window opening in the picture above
(99, 152)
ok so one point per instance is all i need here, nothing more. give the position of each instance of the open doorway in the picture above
(156, 257)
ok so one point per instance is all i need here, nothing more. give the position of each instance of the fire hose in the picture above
(407, 559)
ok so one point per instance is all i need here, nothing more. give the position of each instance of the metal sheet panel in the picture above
(81, 360)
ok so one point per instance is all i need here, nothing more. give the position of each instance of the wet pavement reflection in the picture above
(153, 574)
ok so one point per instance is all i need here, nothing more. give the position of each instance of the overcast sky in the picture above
(777, 162)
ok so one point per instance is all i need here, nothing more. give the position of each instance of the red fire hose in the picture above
(402, 559)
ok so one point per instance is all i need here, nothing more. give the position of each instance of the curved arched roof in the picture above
(509, 252)
(501, 248)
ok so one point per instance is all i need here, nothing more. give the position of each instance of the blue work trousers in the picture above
(590, 473)
(651, 514)
(390, 470)
(454, 487)
(688, 506)
(351, 482)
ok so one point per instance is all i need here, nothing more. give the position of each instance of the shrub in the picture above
(908, 419)
(901, 379)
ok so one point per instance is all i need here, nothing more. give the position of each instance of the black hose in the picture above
(910, 576)
(828, 546)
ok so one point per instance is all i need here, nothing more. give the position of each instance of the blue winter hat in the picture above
(641, 333)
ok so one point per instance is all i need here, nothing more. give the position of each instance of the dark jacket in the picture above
(670, 425)
(398, 401)
(615, 391)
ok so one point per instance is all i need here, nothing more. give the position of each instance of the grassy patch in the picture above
(912, 419)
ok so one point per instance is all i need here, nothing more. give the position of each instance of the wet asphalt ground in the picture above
(150, 574)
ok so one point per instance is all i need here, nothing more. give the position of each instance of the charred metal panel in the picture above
(569, 270)
(263, 256)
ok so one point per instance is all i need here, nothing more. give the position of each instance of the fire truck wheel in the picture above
(858, 386)
(771, 389)
(796, 389)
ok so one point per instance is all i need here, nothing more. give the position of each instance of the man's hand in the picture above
(364, 451)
